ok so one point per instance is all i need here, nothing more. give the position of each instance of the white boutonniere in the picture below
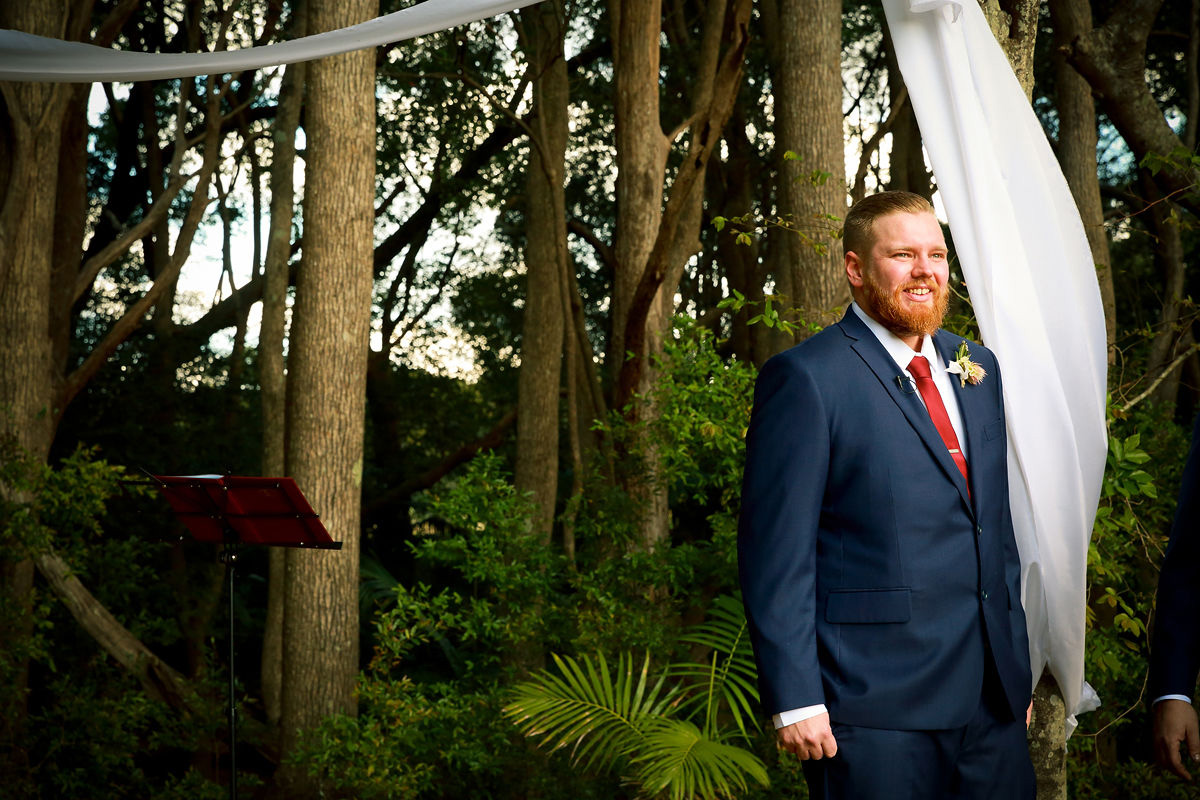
(966, 369)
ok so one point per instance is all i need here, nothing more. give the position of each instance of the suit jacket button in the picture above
(978, 530)
(983, 595)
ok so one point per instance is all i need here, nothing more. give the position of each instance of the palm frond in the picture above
(678, 759)
(729, 680)
(598, 715)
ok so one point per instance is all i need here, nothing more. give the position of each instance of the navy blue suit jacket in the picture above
(1175, 652)
(873, 581)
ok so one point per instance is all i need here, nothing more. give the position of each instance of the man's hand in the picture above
(809, 738)
(1174, 723)
(1029, 715)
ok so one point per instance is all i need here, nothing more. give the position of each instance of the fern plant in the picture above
(643, 725)
(727, 683)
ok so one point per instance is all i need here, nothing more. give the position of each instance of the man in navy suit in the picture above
(876, 553)
(1175, 651)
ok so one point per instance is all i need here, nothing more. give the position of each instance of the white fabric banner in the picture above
(1029, 271)
(25, 57)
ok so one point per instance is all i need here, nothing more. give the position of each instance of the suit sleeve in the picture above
(1175, 653)
(787, 460)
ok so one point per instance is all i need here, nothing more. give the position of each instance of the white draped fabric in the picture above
(25, 57)
(1027, 266)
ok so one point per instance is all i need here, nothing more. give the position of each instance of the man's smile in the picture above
(918, 292)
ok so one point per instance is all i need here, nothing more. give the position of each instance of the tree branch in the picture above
(159, 680)
(1162, 377)
(857, 189)
(489, 441)
(1112, 60)
(132, 318)
(603, 251)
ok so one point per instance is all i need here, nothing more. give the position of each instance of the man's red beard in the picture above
(887, 308)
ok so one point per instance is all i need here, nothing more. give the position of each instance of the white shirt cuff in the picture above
(785, 718)
(1182, 697)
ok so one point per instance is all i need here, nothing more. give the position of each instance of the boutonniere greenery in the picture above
(966, 369)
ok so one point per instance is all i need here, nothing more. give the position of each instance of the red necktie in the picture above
(919, 368)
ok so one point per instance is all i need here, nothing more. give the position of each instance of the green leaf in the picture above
(584, 707)
(729, 680)
(678, 760)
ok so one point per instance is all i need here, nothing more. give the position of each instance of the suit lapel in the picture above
(904, 394)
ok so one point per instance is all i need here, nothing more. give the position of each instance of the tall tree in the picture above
(43, 279)
(654, 240)
(327, 384)
(536, 468)
(1077, 138)
(31, 123)
(272, 378)
(805, 42)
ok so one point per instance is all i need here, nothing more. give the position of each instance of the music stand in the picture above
(234, 510)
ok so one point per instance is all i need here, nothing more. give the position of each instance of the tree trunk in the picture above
(808, 122)
(31, 123)
(270, 355)
(545, 265)
(1077, 149)
(652, 242)
(641, 153)
(327, 395)
(1170, 340)
(1014, 24)
(1048, 740)
(641, 163)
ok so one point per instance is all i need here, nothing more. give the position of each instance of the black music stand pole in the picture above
(228, 557)
(233, 510)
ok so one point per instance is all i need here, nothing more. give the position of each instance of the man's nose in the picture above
(922, 265)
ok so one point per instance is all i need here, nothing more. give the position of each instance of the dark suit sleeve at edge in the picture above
(1175, 652)
(787, 461)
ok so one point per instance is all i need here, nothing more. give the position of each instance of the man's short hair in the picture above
(857, 230)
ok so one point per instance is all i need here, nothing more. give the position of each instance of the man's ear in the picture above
(854, 269)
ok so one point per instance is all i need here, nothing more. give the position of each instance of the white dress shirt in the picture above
(902, 354)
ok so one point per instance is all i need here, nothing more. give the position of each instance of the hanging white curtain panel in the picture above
(25, 57)
(1032, 282)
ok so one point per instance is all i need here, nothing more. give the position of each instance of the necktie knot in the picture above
(919, 367)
